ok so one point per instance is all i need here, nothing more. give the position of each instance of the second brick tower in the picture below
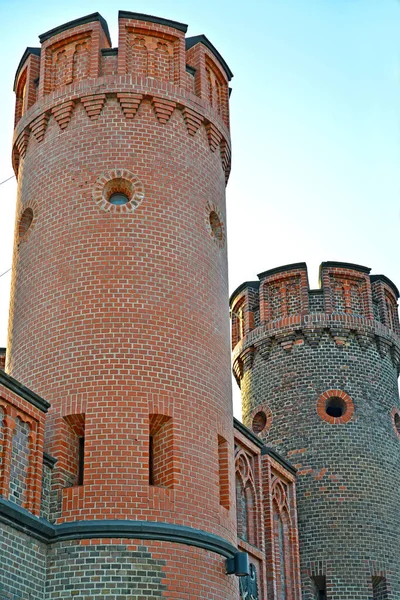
(318, 373)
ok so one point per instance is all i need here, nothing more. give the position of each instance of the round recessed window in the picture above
(335, 406)
(25, 223)
(216, 226)
(118, 199)
(118, 191)
(259, 421)
(396, 421)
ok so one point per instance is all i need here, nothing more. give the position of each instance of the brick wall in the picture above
(134, 568)
(22, 566)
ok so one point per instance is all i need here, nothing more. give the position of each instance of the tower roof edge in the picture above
(291, 267)
(253, 284)
(202, 39)
(29, 50)
(86, 19)
(387, 281)
(125, 14)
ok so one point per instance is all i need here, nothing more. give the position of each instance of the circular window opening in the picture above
(397, 422)
(25, 222)
(216, 226)
(335, 407)
(118, 191)
(259, 422)
(118, 199)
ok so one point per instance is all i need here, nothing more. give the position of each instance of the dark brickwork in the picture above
(22, 566)
(348, 480)
(46, 487)
(19, 462)
(316, 300)
(106, 571)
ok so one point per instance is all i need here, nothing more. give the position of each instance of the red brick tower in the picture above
(118, 308)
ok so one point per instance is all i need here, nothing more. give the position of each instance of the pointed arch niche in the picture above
(284, 541)
(246, 499)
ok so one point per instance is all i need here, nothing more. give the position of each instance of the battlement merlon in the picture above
(153, 61)
(349, 297)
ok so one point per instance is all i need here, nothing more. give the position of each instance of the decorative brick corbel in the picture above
(247, 357)
(313, 336)
(63, 112)
(94, 105)
(39, 126)
(238, 369)
(286, 340)
(22, 142)
(364, 339)
(383, 345)
(163, 109)
(15, 159)
(340, 335)
(214, 136)
(193, 120)
(395, 354)
(225, 157)
(129, 103)
(264, 348)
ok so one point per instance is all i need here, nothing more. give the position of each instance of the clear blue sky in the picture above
(315, 115)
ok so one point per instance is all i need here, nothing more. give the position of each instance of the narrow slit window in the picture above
(223, 471)
(81, 460)
(151, 461)
(161, 451)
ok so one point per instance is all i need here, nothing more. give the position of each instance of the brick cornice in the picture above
(17, 387)
(124, 86)
(308, 326)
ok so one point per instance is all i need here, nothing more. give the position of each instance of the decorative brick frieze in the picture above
(129, 101)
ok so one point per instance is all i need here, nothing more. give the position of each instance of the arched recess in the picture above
(283, 534)
(246, 499)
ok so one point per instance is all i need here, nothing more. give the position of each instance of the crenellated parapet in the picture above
(154, 63)
(281, 309)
